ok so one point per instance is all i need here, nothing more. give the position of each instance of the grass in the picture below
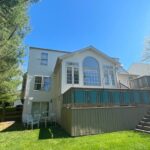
(15, 137)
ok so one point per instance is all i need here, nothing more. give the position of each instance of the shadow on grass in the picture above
(52, 132)
(16, 126)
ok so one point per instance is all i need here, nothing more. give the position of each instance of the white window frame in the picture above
(44, 59)
(94, 82)
(40, 107)
(109, 69)
(42, 83)
(73, 66)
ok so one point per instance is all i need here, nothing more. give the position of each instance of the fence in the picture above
(11, 114)
(105, 97)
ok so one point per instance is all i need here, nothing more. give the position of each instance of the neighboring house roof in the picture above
(140, 69)
(92, 48)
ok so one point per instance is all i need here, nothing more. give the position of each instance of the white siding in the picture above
(35, 68)
(140, 69)
(59, 77)
(78, 58)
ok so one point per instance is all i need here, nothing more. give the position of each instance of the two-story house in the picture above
(51, 73)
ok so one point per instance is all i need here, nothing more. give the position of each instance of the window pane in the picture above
(35, 108)
(91, 77)
(44, 109)
(90, 62)
(44, 62)
(91, 71)
(41, 108)
(44, 55)
(112, 77)
(109, 75)
(38, 82)
(38, 79)
(106, 77)
(46, 84)
(44, 58)
(69, 75)
(76, 75)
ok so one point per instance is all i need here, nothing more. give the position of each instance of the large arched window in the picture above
(91, 72)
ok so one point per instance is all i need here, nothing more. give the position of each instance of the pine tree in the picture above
(13, 28)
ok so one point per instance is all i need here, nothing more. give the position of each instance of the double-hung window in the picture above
(42, 83)
(44, 58)
(72, 73)
(46, 83)
(109, 78)
(38, 83)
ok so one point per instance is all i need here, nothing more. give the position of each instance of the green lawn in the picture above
(54, 138)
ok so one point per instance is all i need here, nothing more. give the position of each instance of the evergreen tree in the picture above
(13, 28)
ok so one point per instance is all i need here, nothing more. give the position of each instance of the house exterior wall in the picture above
(140, 69)
(58, 76)
(95, 120)
(36, 69)
(56, 93)
(78, 58)
(125, 79)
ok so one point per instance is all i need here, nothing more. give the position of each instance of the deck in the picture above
(93, 111)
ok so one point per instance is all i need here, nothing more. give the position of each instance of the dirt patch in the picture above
(5, 125)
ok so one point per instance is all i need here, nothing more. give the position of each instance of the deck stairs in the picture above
(144, 124)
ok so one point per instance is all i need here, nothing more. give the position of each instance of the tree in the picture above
(13, 28)
(146, 54)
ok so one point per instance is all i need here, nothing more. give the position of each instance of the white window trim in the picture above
(90, 68)
(43, 59)
(109, 76)
(72, 69)
(41, 105)
(42, 82)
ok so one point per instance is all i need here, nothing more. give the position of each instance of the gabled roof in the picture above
(92, 48)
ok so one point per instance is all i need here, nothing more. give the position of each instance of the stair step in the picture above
(148, 112)
(146, 119)
(142, 130)
(147, 128)
(147, 116)
(144, 123)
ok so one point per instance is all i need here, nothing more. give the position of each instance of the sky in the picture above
(116, 27)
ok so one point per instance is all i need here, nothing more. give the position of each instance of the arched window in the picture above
(91, 72)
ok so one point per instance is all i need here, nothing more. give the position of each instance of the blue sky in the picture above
(116, 27)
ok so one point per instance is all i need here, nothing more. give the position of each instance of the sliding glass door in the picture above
(41, 108)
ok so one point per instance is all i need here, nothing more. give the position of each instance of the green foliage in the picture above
(13, 28)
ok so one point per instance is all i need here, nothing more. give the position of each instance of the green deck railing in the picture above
(89, 96)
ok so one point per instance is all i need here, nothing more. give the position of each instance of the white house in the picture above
(51, 73)
(140, 69)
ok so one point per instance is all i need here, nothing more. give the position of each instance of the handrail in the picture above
(107, 97)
